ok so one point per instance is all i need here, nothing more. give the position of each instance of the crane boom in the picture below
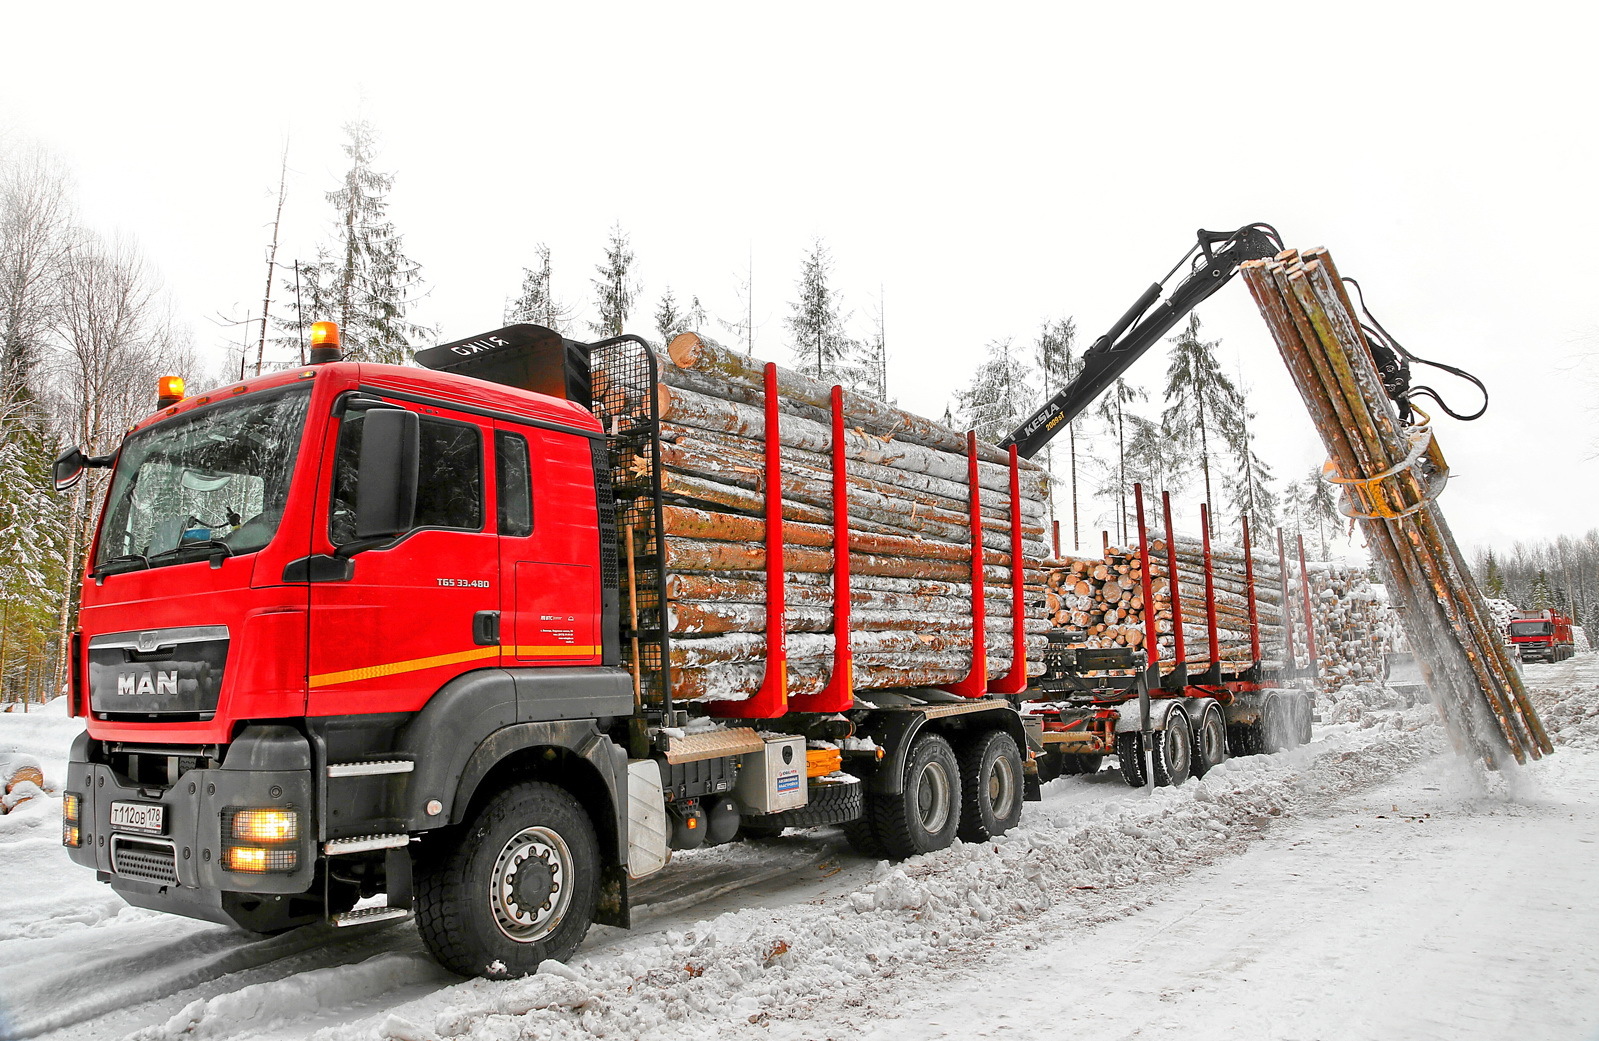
(1220, 255)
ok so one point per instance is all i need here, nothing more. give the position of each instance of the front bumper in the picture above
(181, 869)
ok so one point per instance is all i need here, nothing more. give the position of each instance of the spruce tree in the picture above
(536, 303)
(816, 322)
(1248, 489)
(1321, 506)
(1200, 397)
(669, 321)
(363, 280)
(1000, 394)
(1112, 410)
(1151, 462)
(874, 357)
(1054, 353)
(1541, 595)
(617, 287)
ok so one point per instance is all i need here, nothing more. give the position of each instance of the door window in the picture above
(449, 491)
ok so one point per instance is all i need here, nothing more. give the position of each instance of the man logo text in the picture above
(144, 685)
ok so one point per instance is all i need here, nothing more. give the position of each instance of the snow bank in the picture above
(736, 973)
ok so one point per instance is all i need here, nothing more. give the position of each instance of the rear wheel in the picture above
(517, 887)
(1303, 718)
(1130, 757)
(1210, 741)
(1276, 725)
(991, 786)
(1174, 747)
(923, 816)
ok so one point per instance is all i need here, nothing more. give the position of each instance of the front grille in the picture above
(146, 860)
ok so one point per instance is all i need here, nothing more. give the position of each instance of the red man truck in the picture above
(355, 631)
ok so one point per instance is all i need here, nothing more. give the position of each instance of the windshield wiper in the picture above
(107, 567)
(210, 546)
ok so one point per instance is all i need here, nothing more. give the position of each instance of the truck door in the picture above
(401, 619)
(549, 547)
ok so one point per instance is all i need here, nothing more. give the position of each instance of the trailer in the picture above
(1167, 721)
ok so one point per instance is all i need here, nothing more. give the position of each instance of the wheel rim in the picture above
(932, 798)
(531, 888)
(1001, 787)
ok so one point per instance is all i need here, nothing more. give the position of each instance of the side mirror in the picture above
(387, 474)
(68, 468)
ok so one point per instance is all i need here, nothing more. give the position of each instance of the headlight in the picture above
(265, 825)
(260, 841)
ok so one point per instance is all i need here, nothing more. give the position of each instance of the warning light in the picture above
(325, 343)
(168, 391)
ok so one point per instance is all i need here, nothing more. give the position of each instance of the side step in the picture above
(369, 769)
(368, 915)
(364, 844)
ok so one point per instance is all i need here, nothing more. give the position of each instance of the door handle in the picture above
(486, 628)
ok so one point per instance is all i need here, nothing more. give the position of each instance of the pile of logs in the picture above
(1103, 599)
(910, 534)
(1355, 626)
(1391, 474)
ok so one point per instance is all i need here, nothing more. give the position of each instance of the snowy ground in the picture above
(1369, 885)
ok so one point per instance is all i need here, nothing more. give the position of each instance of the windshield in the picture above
(212, 482)
(1530, 629)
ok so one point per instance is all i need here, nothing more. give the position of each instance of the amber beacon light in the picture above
(168, 391)
(325, 343)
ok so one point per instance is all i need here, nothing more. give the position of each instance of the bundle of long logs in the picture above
(910, 534)
(1391, 474)
(1103, 600)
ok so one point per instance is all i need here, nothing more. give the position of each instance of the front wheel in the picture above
(518, 886)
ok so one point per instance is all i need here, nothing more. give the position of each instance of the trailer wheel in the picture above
(1303, 718)
(923, 815)
(1174, 750)
(1210, 741)
(1277, 727)
(991, 786)
(519, 886)
(1081, 764)
(1130, 756)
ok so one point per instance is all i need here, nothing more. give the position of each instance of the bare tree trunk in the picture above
(272, 259)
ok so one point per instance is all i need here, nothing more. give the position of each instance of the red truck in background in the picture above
(1542, 636)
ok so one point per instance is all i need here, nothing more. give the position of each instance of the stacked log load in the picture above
(910, 534)
(1103, 599)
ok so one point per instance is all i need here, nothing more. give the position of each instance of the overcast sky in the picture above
(984, 167)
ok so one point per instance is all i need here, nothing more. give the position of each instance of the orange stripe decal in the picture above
(372, 672)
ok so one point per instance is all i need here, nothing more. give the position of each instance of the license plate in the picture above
(138, 816)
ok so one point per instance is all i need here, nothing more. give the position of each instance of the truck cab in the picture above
(1542, 636)
(311, 596)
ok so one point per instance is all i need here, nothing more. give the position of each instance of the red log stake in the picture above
(1210, 586)
(771, 700)
(1288, 606)
(1254, 609)
(839, 694)
(975, 685)
(1171, 572)
(1150, 635)
(1015, 681)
